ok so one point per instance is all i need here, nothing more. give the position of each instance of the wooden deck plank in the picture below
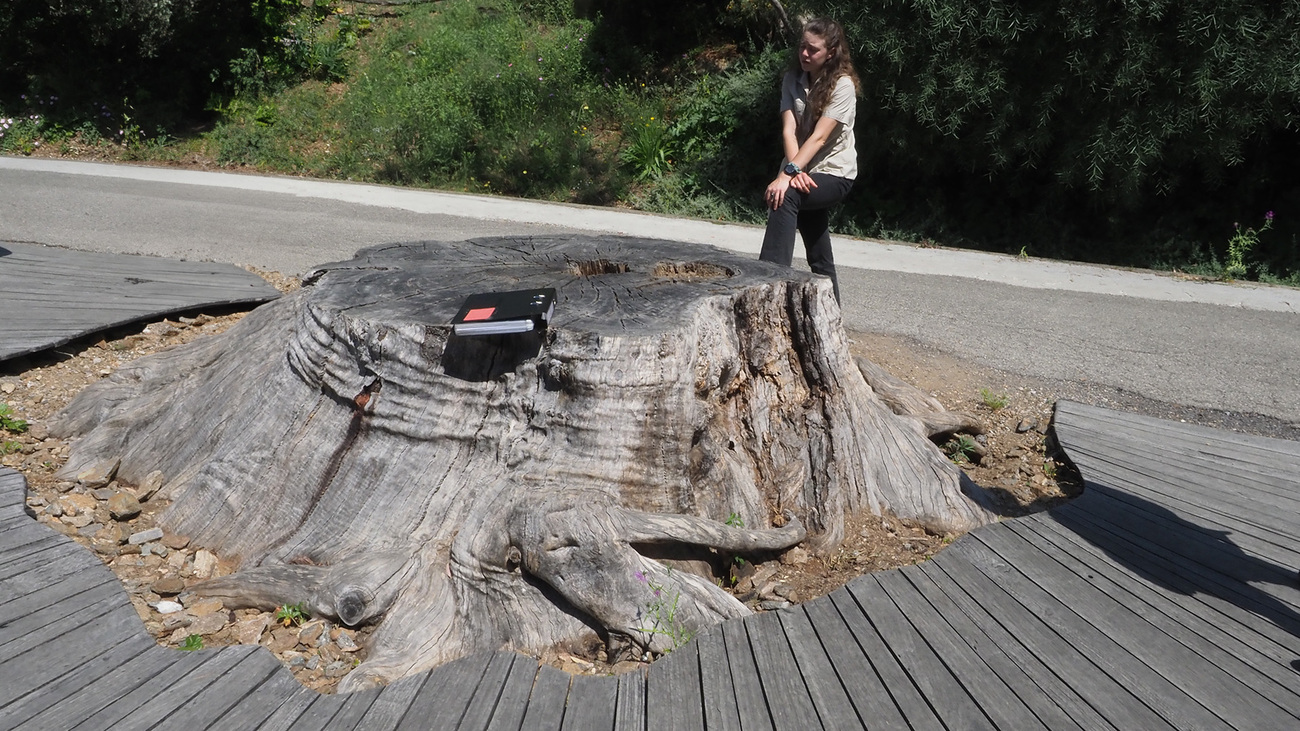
(547, 700)
(1269, 526)
(907, 697)
(18, 533)
(824, 686)
(509, 712)
(391, 704)
(33, 632)
(751, 704)
(116, 659)
(869, 696)
(1102, 420)
(1229, 480)
(38, 555)
(720, 712)
(61, 294)
(787, 696)
(1078, 667)
(631, 714)
(329, 712)
(1179, 658)
(256, 709)
(593, 704)
(442, 700)
(946, 696)
(980, 662)
(1126, 645)
(998, 641)
(166, 692)
(213, 700)
(44, 662)
(483, 701)
(1210, 561)
(1170, 613)
(104, 688)
(674, 699)
(26, 594)
(1221, 596)
(286, 714)
(1003, 704)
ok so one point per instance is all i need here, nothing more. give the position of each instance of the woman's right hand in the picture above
(774, 196)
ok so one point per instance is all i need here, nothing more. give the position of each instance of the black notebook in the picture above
(495, 313)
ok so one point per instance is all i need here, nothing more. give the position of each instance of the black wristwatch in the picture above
(791, 169)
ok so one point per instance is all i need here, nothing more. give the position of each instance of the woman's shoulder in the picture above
(845, 83)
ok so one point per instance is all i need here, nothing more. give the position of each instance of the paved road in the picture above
(1233, 348)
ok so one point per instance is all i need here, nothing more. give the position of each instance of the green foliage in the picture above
(191, 643)
(734, 520)
(10, 447)
(9, 422)
(1241, 244)
(961, 448)
(291, 614)
(660, 616)
(648, 151)
(992, 399)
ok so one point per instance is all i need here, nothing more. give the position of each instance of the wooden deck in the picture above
(53, 295)
(1164, 598)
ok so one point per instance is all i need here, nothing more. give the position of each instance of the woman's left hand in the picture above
(803, 183)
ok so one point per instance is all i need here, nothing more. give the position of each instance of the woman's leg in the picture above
(815, 229)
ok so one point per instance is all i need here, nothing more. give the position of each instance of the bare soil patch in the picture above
(1012, 458)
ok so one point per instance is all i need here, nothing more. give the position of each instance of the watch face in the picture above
(791, 169)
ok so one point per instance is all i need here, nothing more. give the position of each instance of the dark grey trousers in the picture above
(809, 213)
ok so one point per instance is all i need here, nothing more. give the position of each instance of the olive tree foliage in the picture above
(156, 59)
(1094, 104)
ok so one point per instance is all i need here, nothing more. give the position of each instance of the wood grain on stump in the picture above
(508, 491)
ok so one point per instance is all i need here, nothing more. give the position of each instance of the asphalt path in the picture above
(1233, 349)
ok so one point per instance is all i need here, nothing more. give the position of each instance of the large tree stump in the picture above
(508, 491)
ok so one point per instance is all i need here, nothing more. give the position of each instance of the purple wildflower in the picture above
(1268, 216)
(640, 576)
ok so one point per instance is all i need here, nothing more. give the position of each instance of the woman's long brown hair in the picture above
(839, 62)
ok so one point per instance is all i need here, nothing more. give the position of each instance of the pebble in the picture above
(167, 606)
(337, 669)
(773, 604)
(169, 585)
(100, 474)
(145, 536)
(1025, 425)
(152, 482)
(205, 563)
(122, 506)
(209, 624)
(795, 556)
(174, 622)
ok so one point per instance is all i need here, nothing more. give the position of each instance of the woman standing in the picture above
(818, 107)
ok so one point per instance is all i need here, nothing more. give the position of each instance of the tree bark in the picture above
(473, 493)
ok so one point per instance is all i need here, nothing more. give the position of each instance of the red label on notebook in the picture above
(481, 313)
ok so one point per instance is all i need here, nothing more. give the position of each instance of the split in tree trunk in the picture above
(476, 493)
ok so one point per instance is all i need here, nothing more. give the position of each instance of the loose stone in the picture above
(170, 585)
(122, 506)
(145, 536)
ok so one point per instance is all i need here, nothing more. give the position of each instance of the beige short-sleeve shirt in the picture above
(839, 156)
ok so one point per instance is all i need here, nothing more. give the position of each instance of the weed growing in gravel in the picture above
(961, 448)
(10, 447)
(291, 614)
(191, 643)
(993, 400)
(661, 614)
(9, 422)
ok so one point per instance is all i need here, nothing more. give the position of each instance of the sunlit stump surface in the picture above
(475, 493)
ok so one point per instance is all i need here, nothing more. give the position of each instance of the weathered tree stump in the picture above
(508, 491)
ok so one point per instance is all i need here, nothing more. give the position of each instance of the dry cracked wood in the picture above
(510, 491)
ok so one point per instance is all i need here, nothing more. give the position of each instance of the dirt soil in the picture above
(1011, 458)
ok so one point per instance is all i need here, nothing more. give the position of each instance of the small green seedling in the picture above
(9, 422)
(191, 643)
(961, 448)
(10, 447)
(734, 520)
(291, 614)
(993, 400)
